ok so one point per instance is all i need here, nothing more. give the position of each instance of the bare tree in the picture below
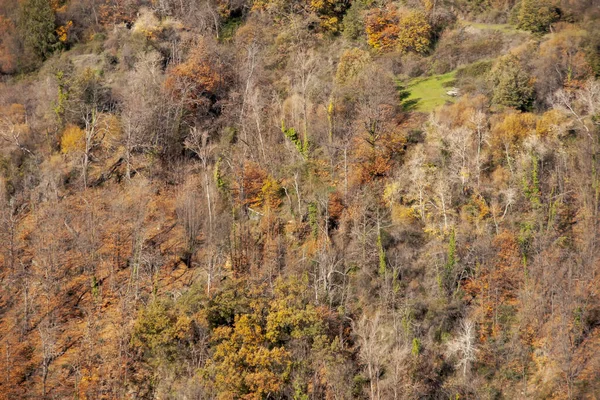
(11, 213)
(190, 216)
(12, 132)
(49, 350)
(198, 142)
(374, 340)
(142, 104)
(478, 121)
(464, 347)
(443, 200)
(398, 380)
(88, 100)
(581, 104)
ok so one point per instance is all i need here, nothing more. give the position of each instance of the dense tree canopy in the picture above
(512, 86)
(293, 199)
(37, 26)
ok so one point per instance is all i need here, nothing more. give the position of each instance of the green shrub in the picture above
(479, 68)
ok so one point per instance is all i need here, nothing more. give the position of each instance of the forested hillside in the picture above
(299, 199)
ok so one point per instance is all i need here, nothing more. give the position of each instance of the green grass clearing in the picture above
(426, 94)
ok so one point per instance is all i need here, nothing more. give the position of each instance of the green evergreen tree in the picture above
(511, 85)
(354, 26)
(536, 15)
(37, 28)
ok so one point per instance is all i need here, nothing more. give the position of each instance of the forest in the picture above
(299, 199)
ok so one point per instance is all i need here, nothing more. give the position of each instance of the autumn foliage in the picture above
(389, 29)
(200, 79)
(299, 199)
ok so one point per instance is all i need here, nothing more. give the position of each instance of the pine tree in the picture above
(536, 15)
(512, 85)
(37, 27)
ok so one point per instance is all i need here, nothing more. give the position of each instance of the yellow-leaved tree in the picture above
(389, 29)
(72, 140)
(268, 347)
(415, 32)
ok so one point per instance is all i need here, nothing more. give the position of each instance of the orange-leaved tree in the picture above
(199, 80)
(388, 29)
(382, 26)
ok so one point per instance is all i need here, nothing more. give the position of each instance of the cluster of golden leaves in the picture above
(390, 29)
